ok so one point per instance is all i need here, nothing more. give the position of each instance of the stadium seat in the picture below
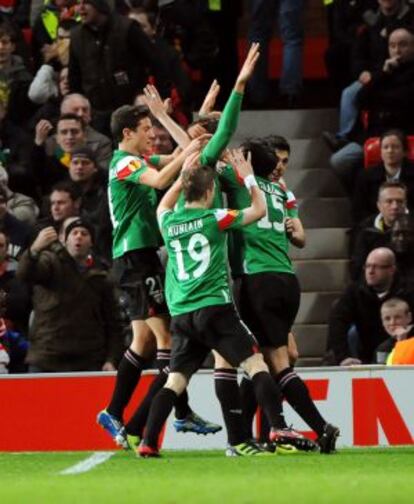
(372, 153)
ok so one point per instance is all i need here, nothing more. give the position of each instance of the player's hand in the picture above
(45, 238)
(197, 144)
(154, 101)
(42, 130)
(242, 164)
(108, 366)
(365, 77)
(207, 107)
(350, 361)
(248, 67)
(289, 226)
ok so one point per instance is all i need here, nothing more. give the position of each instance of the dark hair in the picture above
(73, 117)
(7, 30)
(392, 185)
(277, 142)
(127, 116)
(263, 156)
(69, 187)
(208, 123)
(196, 181)
(398, 133)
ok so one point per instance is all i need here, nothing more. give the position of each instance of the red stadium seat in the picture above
(372, 151)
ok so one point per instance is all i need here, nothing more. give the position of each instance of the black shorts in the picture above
(140, 276)
(195, 333)
(269, 303)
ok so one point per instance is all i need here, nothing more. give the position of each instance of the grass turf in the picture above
(351, 477)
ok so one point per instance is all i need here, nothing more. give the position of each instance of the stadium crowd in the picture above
(66, 66)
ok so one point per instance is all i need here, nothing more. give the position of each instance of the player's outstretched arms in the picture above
(207, 107)
(170, 198)
(163, 178)
(159, 110)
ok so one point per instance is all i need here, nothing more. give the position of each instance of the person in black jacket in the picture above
(394, 167)
(108, 61)
(375, 231)
(359, 308)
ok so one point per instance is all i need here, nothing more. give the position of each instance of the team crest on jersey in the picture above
(225, 217)
(125, 171)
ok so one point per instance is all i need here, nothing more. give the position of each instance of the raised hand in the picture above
(248, 67)
(240, 162)
(42, 130)
(154, 101)
(45, 238)
(207, 108)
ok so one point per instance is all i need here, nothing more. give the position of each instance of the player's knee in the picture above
(220, 362)
(177, 382)
(254, 364)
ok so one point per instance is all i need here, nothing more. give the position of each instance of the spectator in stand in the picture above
(290, 16)
(370, 55)
(48, 169)
(355, 328)
(14, 145)
(46, 34)
(163, 141)
(93, 183)
(55, 84)
(347, 19)
(15, 304)
(394, 167)
(76, 323)
(109, 58)
(18, 232)
(19, 205)
(100, 144)
(402, 242)
(389, 95)
(64, 202)
(375, 231)
(14, 77)
(180, 81)
(397, 321)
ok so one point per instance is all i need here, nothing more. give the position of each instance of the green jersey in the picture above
(197, 257)
(262, 246)
(132, 205)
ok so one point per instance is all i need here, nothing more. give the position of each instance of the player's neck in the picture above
(197, 204)
(127, 147)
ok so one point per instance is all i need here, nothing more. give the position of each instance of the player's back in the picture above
(197, 248)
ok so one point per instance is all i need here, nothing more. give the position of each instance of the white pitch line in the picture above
(89, 463)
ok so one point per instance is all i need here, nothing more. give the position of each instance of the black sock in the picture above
(297, 395)
(129, 372)
(269, 398)
(163, 359)
(160, 409)
(249, 405)
(227, 392)
(139, 419)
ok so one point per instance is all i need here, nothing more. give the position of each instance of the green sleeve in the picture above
(154, 159)
(225, 130)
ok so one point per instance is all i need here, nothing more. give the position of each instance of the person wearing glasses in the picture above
(355, 328)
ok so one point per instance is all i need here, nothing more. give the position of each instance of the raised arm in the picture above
(230, 117)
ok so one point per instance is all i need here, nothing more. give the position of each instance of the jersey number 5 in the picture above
(277, 206)
(199, 251)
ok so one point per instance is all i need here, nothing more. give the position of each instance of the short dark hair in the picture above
(263, 157)
(389, 184)
(277, 142)
(7, 30)
(127, 116)
(73, 117)
(398, 133)
(196, 181)
(69, 187)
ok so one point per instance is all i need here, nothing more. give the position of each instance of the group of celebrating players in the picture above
(202, 238)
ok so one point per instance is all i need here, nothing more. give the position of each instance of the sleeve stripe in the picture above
(226, 218)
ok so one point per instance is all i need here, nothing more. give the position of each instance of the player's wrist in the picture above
(250, 181)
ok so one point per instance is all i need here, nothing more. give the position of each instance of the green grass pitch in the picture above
(383, 475)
